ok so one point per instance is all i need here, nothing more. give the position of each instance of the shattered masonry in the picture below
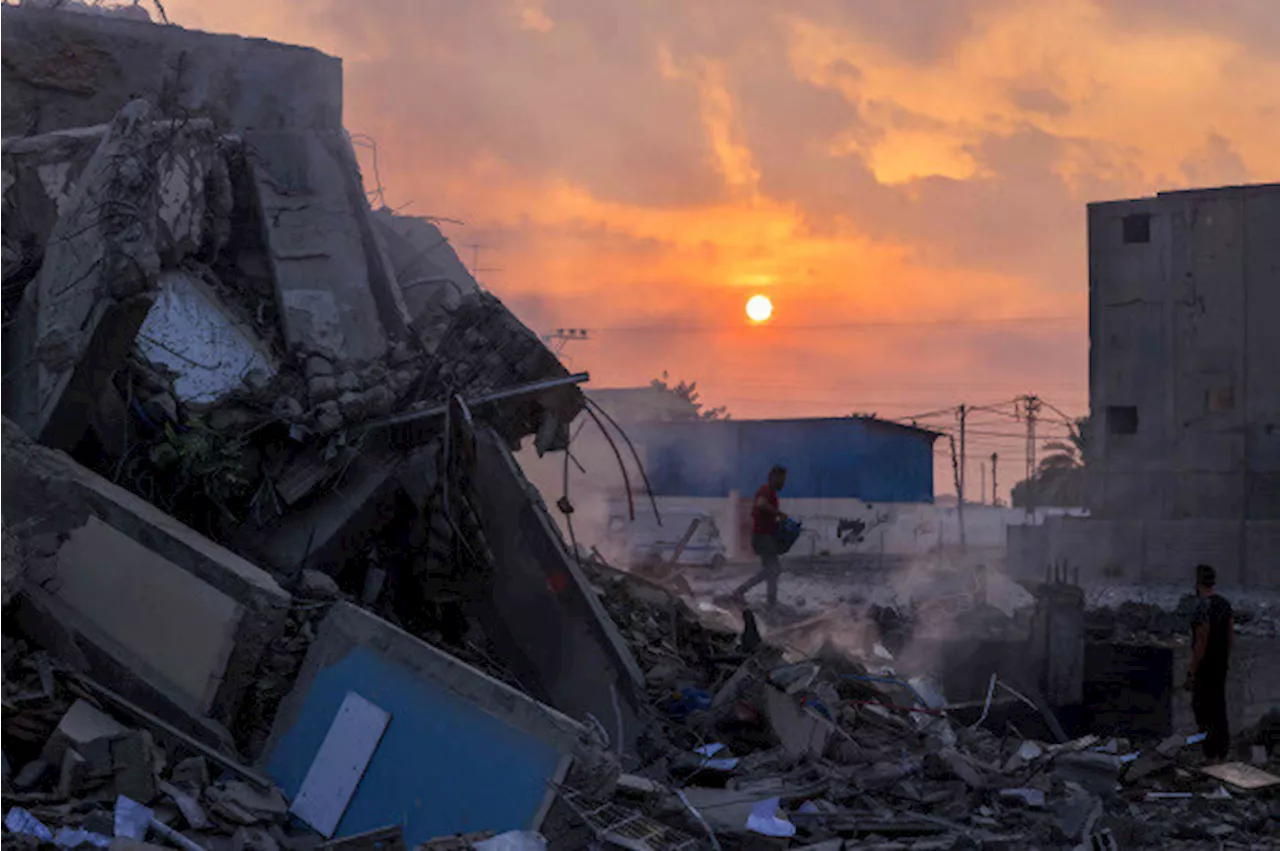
(274, 580)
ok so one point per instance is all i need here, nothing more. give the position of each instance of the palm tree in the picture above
(688, 390)
(1061, 475)
(1071, 454)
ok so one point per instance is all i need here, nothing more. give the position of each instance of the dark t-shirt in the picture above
(1216, 612)
(761, 523)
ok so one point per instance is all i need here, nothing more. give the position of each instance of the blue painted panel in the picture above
(833, 458)
(444, 765)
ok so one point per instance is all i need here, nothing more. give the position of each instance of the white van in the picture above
(643, 542)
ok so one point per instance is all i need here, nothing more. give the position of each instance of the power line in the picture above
(920, 323)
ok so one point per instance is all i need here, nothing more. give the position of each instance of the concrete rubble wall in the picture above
(461, 752)
(545, 618)
(167, 601)
(65, 70)
(1128, 551)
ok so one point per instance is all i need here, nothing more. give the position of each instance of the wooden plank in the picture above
(1242, 775)
(340, 763)
(389, 838)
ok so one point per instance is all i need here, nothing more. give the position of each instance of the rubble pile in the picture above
(275, 582)
(91, 775)
(825, 751)
(1134, 622)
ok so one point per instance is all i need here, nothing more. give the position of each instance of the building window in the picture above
(1219, 400)
(1122, 419)
(1137, 228)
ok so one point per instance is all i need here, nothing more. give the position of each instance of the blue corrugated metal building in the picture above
(833, 458)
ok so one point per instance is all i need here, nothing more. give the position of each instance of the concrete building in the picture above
(1184, 294)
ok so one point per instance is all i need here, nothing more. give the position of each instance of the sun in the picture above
(759, 308)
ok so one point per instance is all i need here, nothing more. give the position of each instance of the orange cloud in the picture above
(642, 168)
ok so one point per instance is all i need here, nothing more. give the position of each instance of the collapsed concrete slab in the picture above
(446, 749)
(145, 200)
(543, 614)
(326, 287)
(432, 278)
(39, 176)
(166, 611)
(336, 525)
(66, 70)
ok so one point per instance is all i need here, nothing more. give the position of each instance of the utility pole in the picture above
(995, 491)
(982, 491)
(961, 413)
(475, 261)
(565, 335)
(1031, 407)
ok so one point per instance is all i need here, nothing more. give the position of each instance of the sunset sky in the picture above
(905, 180)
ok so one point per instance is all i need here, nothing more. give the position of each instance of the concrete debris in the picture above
(120, 772)
(877, 776)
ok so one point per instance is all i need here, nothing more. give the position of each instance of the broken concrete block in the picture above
(318, 586)
(961, 767)
(253, 839)
(288, 409)
(800, 730)
(349, 382)
(1095, 772)
(31, 774)
(328, 417)
(1031, 797)
(322, 388)
(246, 804)
(73, 774)
(187, 804)
(131, 762)
(319, 367)
(82, 724)
(193, 773)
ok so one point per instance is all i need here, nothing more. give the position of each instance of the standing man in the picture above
(1213, 634)
(765, 517)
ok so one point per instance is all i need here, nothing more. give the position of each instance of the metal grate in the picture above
(628, 828)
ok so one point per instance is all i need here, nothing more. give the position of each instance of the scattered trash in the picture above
(764, 819)
(132, 819)
(19, 820)
(714, 763)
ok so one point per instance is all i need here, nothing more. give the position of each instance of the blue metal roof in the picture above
(842, 457)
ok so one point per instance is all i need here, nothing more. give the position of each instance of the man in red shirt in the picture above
(765, 517)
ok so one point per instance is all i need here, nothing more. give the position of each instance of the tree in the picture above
(1061, 477)
(688, 391)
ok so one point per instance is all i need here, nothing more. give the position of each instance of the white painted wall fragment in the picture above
(189, 332)
(344, 755)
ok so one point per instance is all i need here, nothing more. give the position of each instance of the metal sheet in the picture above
(340, 763)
